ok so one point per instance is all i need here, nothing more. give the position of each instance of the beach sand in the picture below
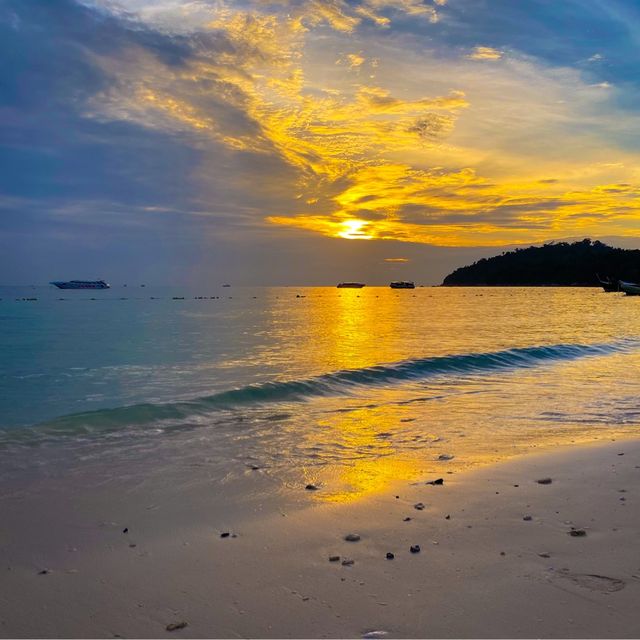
(69, 569)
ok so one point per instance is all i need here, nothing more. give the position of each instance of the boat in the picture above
(608, 284)
(402, 284)
(350, 285)
(81, 284)
(630, 288)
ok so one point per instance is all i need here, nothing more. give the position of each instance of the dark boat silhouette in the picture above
(608, 284)
(402, 284)
(350, 285)
(630, 288)
(81, 284)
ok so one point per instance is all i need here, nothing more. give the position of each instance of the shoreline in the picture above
(275, 578)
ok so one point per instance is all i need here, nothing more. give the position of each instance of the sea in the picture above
(347, 390)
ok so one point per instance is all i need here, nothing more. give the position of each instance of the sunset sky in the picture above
(305, 141)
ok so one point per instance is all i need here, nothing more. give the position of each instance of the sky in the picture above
(311, 141)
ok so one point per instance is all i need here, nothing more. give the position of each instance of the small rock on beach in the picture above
(175, 626)
(352, 537)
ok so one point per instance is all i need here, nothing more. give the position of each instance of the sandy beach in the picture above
(497, 557)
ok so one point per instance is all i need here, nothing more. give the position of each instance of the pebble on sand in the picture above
(577, 533)
(44, 572)
(352, 537)
(419, 506)
(390, 555)
(175, 626)
(527, 518)
(415, 548)
(334, 558)
(125, 530)
(446, 456)
(347, 563)
(312, 487)
(544, 481)
(407, 519)
(225, 534)
(544, 554)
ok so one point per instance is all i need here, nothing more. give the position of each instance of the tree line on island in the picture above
(579, 264)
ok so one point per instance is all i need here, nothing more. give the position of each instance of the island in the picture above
(559, 264)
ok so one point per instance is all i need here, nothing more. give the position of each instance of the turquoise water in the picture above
(326, 379)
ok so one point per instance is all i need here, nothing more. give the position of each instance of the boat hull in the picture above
(402, 285)
(630, 288)
(81, 284)
(350, 285)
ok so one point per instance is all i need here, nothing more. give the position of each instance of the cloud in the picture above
(355, 60)
(236, 115)
(485, 53)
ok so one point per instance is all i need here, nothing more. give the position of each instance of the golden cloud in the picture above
(441, 152)
(485, 53)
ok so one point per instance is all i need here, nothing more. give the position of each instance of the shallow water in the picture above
(349, 389)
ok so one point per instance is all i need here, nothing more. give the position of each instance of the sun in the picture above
(354, 230)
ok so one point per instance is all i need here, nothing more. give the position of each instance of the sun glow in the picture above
(355, 230)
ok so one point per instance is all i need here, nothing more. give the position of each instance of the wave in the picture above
(336, 383)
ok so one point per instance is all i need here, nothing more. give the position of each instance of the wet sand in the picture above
(78, 560)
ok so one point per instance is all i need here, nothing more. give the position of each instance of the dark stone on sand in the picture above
(447, 517)
(397, 497)
(175, 626)
(225, 534)
(527, 518)
(437, 482)
(445, 456)
(621, 454)
(125, 530)
(419, 506)
(502, 553)
(334, 558)
(544, 555)
(390, 555)
(352, 537)
(577, 533)
(311, 487)
(253, 467)
(44, 572)
(544, 481)
(415, 548)
(347, 563)
(133, 545)
(406, 519)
